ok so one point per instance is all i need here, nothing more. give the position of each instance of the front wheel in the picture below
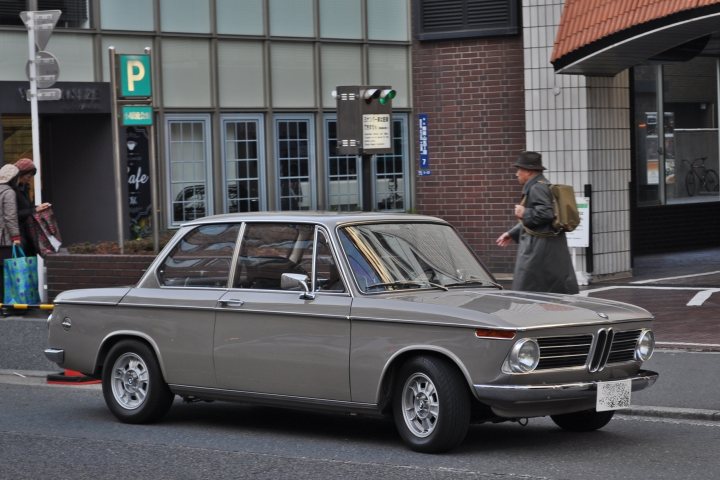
(133, 385)
(585, 421)
(431, 405)
(711, 181)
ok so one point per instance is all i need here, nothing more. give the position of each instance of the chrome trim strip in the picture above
(269, 398)
(558, 391)
(55, 355)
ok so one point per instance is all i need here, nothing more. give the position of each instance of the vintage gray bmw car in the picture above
(368, 313)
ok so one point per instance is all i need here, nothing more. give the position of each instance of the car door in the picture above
(176, 312)
(280, 342)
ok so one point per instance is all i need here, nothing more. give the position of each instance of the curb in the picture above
(673, 413)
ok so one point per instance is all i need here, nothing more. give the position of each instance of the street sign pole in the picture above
(153, 176)
(116, 151)
(37, 184)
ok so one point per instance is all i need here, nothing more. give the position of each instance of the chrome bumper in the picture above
(559, 391)
(55, 355)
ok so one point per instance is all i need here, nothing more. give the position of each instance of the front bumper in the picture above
(516, 394)
(55, 355)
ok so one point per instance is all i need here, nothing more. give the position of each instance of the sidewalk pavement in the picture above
(682, 291)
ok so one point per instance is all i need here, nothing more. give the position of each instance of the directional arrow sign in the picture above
(46, 94)
(42, 24)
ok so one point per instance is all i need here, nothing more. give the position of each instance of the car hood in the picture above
(501, 308)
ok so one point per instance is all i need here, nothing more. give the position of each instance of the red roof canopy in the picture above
(604, 37)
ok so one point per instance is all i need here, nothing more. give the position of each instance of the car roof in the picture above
(329, 219)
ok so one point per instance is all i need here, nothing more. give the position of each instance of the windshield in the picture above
(410, 255)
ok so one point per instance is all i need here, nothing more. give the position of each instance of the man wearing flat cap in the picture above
(543, 261)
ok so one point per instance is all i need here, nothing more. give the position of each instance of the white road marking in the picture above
(640, 282)
(697, 300)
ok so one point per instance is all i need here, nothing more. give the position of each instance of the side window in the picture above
(201, 259)
(327, 274)
(270, 249)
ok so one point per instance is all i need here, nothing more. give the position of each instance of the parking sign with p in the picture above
(135, 76)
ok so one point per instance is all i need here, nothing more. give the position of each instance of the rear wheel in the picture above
(691, 183)
(585, 421)
(133, 385)
(431, 405)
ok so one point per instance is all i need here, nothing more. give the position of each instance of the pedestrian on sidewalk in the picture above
(9, 228)
(543, 262)
(25, 205)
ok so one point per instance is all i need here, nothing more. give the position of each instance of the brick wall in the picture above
(472, 91)
(68, 272)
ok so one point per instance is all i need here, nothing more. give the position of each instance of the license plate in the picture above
(613, 395)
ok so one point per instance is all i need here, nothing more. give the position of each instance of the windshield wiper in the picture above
(407, 283)
(482, 283)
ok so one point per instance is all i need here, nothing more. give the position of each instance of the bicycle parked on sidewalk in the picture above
(700, 178)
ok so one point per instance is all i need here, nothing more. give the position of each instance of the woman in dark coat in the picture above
(543, 261)
(25, 206)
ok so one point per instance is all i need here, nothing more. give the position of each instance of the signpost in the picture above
(133, 92)
(42, 71)
(364, 126)
(580, 237)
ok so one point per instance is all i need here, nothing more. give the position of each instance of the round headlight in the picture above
(524, 356)
(645, 345)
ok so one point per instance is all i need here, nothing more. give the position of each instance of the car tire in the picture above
(431, 405)
(585, 421)
(133, 385)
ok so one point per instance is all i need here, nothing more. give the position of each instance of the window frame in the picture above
(311, 157)
(262, 161)
(404, 155)
(208, 183)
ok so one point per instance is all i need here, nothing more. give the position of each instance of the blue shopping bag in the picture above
(21, 278)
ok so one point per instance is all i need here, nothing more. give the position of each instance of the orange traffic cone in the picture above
(70, 377)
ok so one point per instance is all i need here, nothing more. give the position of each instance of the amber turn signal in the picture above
(493, 333)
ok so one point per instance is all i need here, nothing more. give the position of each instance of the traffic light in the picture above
(383, 95)
(364, 119)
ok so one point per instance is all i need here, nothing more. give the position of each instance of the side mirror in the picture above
(288, 281)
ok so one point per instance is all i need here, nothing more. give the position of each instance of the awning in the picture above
(605, 37)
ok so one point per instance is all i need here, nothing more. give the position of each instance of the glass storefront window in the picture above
(135, 15)
(74, 53)
(691, 130)
(293, 75)
(241, 63)
(340, 19)
(186, 72)
(186, 16)
(294, 150)
(340, 65)
(388, 20)
(390, 66)
(17, 138)
(344, 186)
(13, 56)
(391, 189)
(188, 152)
(240, 18)
(292, 18)
(679, 139)
(244, 160)
(75, 13)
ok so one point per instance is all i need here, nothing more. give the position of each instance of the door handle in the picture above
(232, 302)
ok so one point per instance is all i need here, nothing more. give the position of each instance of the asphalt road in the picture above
(66, 432)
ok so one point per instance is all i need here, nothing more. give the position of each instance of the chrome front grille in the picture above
(606, 347)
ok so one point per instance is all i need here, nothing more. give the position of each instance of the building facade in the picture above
(242, 94)
(246, 119)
